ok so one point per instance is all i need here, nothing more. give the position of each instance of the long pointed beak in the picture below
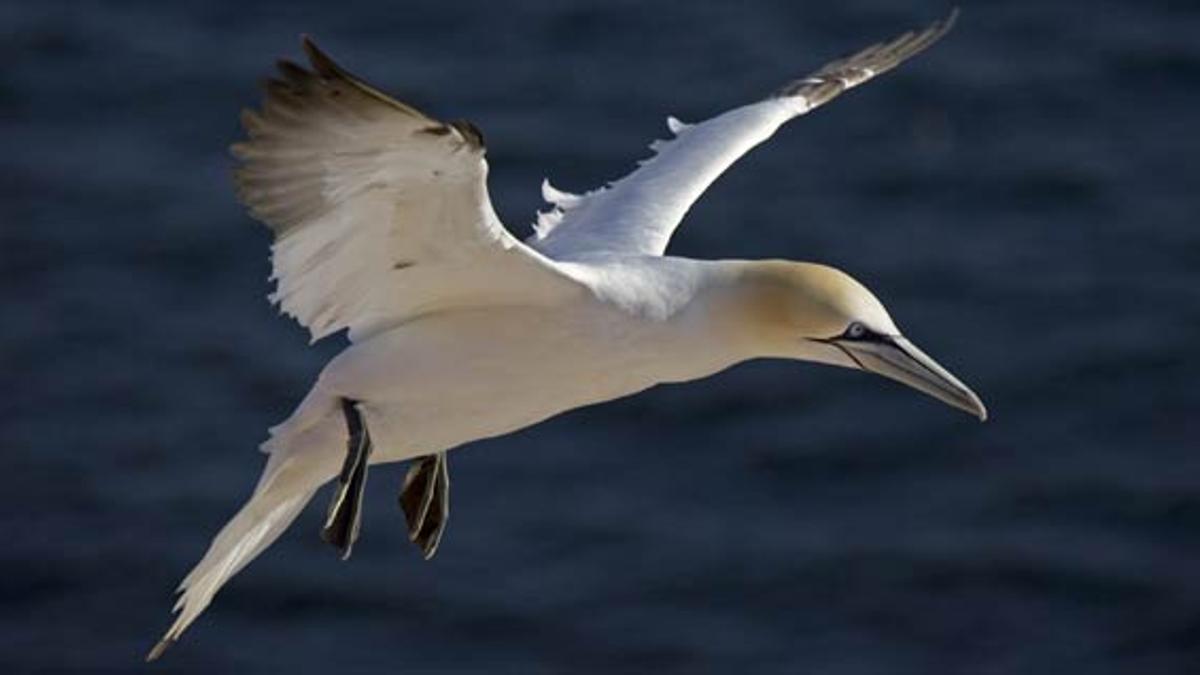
(897, 358)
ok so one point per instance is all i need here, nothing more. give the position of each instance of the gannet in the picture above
(460, 331)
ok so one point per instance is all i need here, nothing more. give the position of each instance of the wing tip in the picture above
(937, 29)
(839, 75)
(321, 62)
(952, 17)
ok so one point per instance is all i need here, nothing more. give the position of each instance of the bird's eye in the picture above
(856, 331)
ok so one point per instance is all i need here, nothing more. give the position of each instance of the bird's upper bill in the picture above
(893, 356)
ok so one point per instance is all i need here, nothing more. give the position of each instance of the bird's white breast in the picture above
(444, 380)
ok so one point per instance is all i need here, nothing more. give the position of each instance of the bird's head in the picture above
(818, 313)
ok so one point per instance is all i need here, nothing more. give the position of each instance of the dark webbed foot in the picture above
(345, 511)
(425, 499)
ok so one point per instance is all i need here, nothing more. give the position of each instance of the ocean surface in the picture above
(1024, 197)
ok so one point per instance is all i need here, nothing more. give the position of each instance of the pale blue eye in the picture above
(856, 331)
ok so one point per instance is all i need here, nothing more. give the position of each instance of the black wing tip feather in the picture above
(836, 76)
(327, 69)
(319, 60)
(326, 73)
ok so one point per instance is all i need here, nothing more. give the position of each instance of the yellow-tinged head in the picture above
(786, 300)
(818, 313)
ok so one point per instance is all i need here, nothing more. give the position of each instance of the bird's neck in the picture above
(735, 311)
(752, 308)
(692, 318)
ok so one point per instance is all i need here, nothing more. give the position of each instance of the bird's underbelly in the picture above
(474, 401)
(438, 383)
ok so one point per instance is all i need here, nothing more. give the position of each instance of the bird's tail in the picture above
(296, 468)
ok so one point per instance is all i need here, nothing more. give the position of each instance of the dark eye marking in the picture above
(856, 332)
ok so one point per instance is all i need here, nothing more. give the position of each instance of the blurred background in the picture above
(1023, 197)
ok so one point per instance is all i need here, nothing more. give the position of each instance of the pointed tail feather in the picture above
(255, 527)
(302, 457)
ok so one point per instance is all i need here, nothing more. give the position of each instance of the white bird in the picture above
(460, 331)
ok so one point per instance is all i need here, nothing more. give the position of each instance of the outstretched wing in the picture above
(638, 213)
(380, 213)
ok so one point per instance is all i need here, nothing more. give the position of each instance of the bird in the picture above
(458, 330)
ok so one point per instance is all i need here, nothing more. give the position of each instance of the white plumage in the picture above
(460, 331)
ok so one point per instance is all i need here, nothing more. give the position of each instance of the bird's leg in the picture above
(345, 511)
(425, 499)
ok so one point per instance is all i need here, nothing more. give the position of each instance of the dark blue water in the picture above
(1024, 198)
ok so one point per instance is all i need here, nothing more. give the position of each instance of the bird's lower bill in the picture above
(900, 360)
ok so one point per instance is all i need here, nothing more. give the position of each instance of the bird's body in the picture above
(475, 373)
(461, 332)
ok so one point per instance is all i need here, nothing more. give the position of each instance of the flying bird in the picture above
(459, 331)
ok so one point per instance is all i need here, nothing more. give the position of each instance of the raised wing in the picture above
(638, 213)
(380, 213)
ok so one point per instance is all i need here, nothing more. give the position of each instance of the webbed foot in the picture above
(425, 499)
(345, 511)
